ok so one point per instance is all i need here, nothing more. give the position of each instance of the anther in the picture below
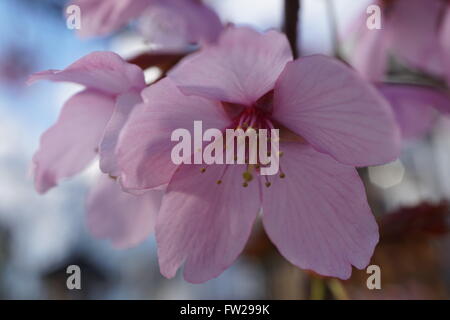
(219, 181)
(282, 175)
(245, 184)
(247, 176)
(268, 184)
(202, 170)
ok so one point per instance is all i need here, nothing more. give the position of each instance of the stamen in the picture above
(269, 123)
(268, 184)
(253, 121)
(247, 176)
(245, 184)
(222, 175)
(202, 170)
(243, 122)
(282, 174)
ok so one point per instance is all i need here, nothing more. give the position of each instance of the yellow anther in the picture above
(219, 181)
(280, 153)
(247, 176)
(282, 175)
(245, 184)
(202, 170)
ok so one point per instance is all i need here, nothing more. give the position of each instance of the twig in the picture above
(291, 20)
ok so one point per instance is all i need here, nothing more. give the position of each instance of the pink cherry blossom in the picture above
(418, 45)
(89, 124)
(124, 218)
(315, 211)
(415, 107)
(171, 23)
(68, 146)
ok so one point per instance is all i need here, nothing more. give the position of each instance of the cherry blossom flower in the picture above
(89, 123)
(169, 23)
(315, 210)
(125, 219)
(418, 45)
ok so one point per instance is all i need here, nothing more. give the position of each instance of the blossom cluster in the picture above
(332, 118)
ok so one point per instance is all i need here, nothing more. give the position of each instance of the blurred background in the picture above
(41, 235)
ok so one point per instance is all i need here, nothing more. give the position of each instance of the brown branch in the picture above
(164, 61)
(291, 19)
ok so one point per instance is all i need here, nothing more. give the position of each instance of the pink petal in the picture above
(318, 216)
(327, 103)
(178, 23)
(203, 224)
(123, 108)
(241, 68)
(102, 17)
(72, 143)
(417, 43)
(101, 70)
(145, 146)
(125, 219)
(371, 54)
(414, 107)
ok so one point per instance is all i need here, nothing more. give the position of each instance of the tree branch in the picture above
(291, 19)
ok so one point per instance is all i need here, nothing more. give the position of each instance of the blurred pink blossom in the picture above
(89, 124)
(315, 211)
(413, 31)
(415, 107)
(168, 23)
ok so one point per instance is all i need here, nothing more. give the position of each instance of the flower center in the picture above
(255, 139)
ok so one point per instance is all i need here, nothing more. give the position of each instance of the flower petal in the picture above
(124, 105)
(417, 43)
(179, 23)
(205, 224)
(123, 218)
(102, 17)
(414, 107)
(69, 145)
(145, 146)
(318, 216)
(101, 70)
(371, 54)
(241, 68)
(327, 103)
